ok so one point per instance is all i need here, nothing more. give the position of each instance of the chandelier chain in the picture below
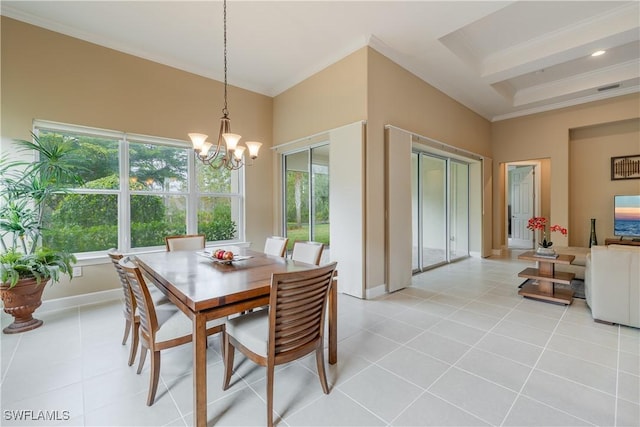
(225, 110)
(227, 153)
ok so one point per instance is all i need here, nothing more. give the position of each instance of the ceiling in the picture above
(501, 59)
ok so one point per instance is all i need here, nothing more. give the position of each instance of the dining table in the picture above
(204, 288)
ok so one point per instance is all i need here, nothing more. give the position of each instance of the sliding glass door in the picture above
(306, 195)
(440, 206)
(458, 210)
(433, 180)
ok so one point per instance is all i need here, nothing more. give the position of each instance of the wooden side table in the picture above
(619, 241)
(545, 277)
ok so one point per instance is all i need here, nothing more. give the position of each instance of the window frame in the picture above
(124, 194)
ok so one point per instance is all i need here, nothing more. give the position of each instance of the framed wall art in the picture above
(625, 167)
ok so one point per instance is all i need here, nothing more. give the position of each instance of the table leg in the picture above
(333, 322)
(545, 287)
(200, 370)
(546, 268)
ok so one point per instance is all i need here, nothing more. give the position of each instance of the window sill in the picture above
(99, 258)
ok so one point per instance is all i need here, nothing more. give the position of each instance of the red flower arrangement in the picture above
(540, 223)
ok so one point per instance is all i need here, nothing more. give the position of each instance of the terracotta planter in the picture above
(20, 302)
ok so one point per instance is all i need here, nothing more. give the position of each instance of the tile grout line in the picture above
(82, 351)
(13, 354)
(533, 368)
(400, 345)
(452, 365)
(173, 400)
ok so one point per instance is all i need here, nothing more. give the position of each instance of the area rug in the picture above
(577, 286)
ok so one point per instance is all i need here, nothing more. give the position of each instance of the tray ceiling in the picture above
(500, 59)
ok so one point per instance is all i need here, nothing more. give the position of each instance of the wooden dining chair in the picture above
(291, 328)
(159, 329)
(185, 242)
(309, 252)
(130, 311)
(276, 245)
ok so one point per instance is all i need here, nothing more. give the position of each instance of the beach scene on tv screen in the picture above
(627, 216)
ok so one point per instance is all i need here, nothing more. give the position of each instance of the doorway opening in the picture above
(522, 202)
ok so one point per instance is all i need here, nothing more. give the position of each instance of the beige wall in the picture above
(546, 135)
(49, 76)
(397, 97)
(592, 189)
(334, 97)
(390, 95)
(327, 100)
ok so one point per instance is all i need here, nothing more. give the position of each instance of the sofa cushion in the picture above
(624, 248)
(577, 267)
(579, 252)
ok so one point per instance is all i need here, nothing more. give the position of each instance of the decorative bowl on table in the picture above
(221, 256)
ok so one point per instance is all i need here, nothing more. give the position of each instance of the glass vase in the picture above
(593, 240)
(542, 251)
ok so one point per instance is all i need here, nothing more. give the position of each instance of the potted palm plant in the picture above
(25, 265)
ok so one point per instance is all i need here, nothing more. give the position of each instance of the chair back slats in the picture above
(302, 294)
(298, 335)
(298, 306)
(146, 309)
(185, 242)
(129, 301)
(294, 312)
(275, 245)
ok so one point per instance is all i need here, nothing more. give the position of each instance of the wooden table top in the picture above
(201, 283)
(561, 259)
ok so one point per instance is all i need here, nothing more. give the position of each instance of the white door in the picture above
(521, 186)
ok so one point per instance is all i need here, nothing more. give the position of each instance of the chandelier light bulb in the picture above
(253, 147)
(198, 139)
(238, 152)
(205, 149)
(232, 140)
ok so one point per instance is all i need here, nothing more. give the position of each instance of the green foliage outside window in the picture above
(298, 206)
(88, 221)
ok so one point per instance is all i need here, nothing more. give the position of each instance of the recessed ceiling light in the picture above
(598, 53)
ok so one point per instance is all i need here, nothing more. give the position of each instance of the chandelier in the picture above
(232, 155)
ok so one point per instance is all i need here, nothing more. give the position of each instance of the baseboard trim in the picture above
(376, 291)
(77, 300)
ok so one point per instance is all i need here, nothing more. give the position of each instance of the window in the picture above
(136, 190)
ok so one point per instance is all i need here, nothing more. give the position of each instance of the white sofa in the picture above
(612, 284)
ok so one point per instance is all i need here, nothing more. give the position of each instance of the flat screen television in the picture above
(626, 216)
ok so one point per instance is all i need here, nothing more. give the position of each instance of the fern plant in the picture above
(25, 188)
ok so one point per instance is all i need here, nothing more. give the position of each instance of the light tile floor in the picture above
(459, 347)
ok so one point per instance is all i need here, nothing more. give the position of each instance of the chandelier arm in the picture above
(224, 128)
(218, 162)
(232, 164)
